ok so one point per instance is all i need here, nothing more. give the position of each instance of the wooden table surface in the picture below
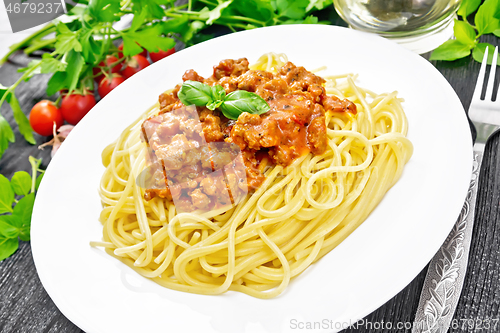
(26, 307)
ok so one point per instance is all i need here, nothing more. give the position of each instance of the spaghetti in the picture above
(299, 212)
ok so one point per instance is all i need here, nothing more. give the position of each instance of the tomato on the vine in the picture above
(135, 64)
(43, 116)
(110, 66)
(75, 106)
(109, 83)
(144, 53)
(155, 56)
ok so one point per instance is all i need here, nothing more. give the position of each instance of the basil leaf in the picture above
(21, 183)
(451, 50)
(7, 246)
(214, 104)
(240, 101)
(22, 215)
(464, 32)
(485, 21)
(218, 93)
(194, 92)
(478, 53)
(7, 227)
(6, 195)
(468, 7)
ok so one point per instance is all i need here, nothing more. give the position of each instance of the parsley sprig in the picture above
(16, 205)
(486, 21)
(83, 38)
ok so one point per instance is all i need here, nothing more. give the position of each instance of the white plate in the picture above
(100, 294)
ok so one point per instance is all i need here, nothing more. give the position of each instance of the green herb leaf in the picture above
(260, 10)
(104, 10)
(21, 183)
(57, 82)
(76, 62)
(190, 36)
(22, 215)
(214, 104)
(3, 90)
(6, 195)
(38, 180)
(480, 49)
(311, 19)
(8, 246)
(6, 135)
(218, 96)
(177, 25)
(240, 101)
(31, 67)
(318, 4)
(146, 9)
(91, 49)
(130, 46)
(464, 33)
(485, 21)
(218, 93)
(194, 92)
(294, 9)
(140, 14)
(451, 50)
(21, 119)
(67, 40)
(496, 32)
(51, 65)
(468, 7)
(210, 16)
(7, 227)
(151, 39)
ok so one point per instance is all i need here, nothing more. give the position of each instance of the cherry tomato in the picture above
(75, 106)
(42, 117)
(144, 53)
(136, 64)
(106, 67)
(155, 56)
(108, 84)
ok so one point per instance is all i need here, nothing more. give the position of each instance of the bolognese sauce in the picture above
(295, 125)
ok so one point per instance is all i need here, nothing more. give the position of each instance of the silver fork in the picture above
(445, 276)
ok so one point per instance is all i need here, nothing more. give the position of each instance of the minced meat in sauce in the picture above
(294, 126)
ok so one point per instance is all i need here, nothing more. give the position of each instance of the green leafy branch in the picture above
(486, 21)
(15, 214)
(88, 33)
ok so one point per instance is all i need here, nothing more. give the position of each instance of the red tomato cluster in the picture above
(108, 74)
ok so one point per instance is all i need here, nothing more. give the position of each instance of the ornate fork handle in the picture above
(445, 276)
